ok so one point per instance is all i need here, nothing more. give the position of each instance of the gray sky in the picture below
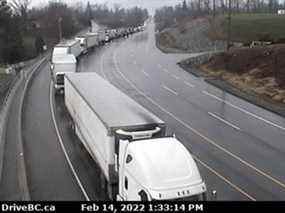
(149, 4)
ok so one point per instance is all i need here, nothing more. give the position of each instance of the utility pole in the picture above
(229, 25)
(60, 28)
(214, 9)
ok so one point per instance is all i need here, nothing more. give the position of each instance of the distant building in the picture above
(281, 12)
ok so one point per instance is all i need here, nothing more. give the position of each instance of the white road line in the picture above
(224, 121)
(170, 90)
(206, 139)
(101, 67)
(159, 65)
(244, 111)
(176, 77)
(165, 70)
(188, 84)
(169, 113)
(135, 62)
(145, 73)
(63, 148)
(224, 179)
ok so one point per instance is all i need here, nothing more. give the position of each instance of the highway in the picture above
(239, 147)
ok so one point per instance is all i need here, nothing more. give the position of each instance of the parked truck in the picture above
(61, 65)
(88, 41)
(67, 47)
(101, 36)
(129, 144)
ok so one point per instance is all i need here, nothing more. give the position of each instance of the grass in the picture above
(29, 49)
(249, 27)
(2, 71)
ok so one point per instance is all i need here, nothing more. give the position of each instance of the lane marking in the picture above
(135, 62)
(224, 121)
(188, 84)
(170, 90)
(159, 65)
(145, 73)
(101, 67)
(224, 179)
(169, 113)
(165, 70)
(206, 139)
(176, 77)
(63, 147)
(243, 110)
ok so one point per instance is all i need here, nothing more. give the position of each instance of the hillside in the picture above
(250, 27)
(189, 35)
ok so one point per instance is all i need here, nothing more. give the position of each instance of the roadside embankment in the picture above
(188, 36)
(254, 74)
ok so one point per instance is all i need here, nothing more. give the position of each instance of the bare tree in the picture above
(20, 7)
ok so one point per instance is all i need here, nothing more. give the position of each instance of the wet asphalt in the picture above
(239, 147)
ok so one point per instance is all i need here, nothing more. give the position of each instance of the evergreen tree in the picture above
(11, 45)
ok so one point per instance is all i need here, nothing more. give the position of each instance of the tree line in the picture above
(117, 16)
(170, 15)
(24, 30)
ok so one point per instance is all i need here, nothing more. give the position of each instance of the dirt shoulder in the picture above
(255, 74)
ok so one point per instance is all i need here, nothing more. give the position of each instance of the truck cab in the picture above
(157, 169)
(83, 43)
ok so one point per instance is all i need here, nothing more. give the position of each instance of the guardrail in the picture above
(4, 114)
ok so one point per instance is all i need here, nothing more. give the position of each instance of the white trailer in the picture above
(67, 47)
(82, 41)
(61, 65)
(88, 41)
(138, 160)
(92, 40)
(101, 36)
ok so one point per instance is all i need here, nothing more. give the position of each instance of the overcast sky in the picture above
(149, 4)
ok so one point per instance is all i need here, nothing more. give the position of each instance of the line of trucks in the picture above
(65, 54)
(137, 159)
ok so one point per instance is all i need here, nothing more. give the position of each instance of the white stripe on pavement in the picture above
(170, 90)
(224, 121)
(244, 111)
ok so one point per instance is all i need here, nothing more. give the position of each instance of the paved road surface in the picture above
(240, 147)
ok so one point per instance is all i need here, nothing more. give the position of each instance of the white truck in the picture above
(67, 47)
(101, 36)
(61, 65)
(129, 143)
(88, 41)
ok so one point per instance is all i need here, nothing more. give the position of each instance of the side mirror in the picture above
(214, 195)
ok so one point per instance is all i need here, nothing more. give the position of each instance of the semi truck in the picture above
(129, 144)
(61, 65)
(67, 47)
(88, 41)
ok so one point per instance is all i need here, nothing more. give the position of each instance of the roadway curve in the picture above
(239, 146)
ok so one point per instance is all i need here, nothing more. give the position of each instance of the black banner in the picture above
(157, 206)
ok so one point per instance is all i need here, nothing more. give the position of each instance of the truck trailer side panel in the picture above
(99, 109)
(75, 49)
(91, 130)
(92, 40)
